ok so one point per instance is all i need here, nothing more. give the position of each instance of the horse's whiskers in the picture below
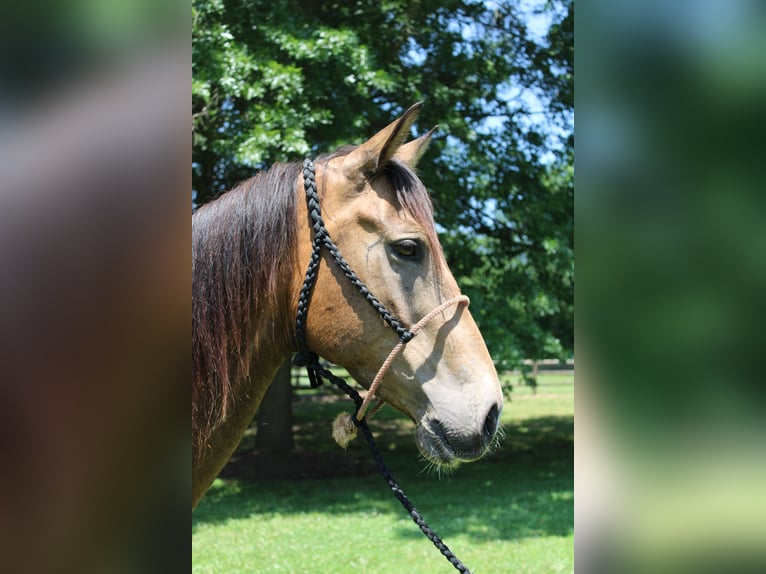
(439, 470)
(499, 437)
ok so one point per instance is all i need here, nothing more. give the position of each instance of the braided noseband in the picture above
(306, 358)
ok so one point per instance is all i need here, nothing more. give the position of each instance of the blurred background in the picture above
(670, 229)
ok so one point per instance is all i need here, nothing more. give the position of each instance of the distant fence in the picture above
(300, 380)
(550, 366)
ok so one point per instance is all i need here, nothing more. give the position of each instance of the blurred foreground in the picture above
(94, 287)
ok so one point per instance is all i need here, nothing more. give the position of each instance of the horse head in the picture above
(379, 215)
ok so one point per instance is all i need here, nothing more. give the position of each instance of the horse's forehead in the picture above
(369, 197)
(380, 203)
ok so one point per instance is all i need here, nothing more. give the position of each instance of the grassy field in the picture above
(324, 510)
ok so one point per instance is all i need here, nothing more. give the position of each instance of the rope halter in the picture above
(344, 427)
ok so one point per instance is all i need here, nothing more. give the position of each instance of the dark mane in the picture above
(242, 243)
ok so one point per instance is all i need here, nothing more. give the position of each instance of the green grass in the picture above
(510, 512)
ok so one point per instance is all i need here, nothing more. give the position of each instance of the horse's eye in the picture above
(406, 248)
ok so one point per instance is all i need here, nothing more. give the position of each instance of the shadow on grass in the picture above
(524, 489)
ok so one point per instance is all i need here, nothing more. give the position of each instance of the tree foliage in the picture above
(283, 79)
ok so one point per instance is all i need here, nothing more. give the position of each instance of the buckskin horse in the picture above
(250, 251)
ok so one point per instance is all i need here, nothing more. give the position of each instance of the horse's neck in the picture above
(266, 358)
(266, 353)
(268, 347)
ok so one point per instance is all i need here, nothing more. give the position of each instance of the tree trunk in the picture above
(275, 414)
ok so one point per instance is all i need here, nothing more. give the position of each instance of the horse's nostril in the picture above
(491, 423)
(465, 443)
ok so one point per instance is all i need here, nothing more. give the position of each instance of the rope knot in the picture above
(344, 429)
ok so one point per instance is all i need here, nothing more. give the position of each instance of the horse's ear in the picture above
(411, 152)
(381, 147)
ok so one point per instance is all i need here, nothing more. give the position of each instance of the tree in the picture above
(274, 415)
(284, 79)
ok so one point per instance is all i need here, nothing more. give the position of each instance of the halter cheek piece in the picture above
(345, 425)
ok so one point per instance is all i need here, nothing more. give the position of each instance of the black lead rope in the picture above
(321, 372)
(316, 372)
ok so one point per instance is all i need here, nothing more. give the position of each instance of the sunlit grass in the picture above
(510, 512)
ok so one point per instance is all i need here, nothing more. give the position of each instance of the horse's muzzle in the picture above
(445, 444)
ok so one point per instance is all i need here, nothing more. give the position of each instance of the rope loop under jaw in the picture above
(458, 300)
(344, 427)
